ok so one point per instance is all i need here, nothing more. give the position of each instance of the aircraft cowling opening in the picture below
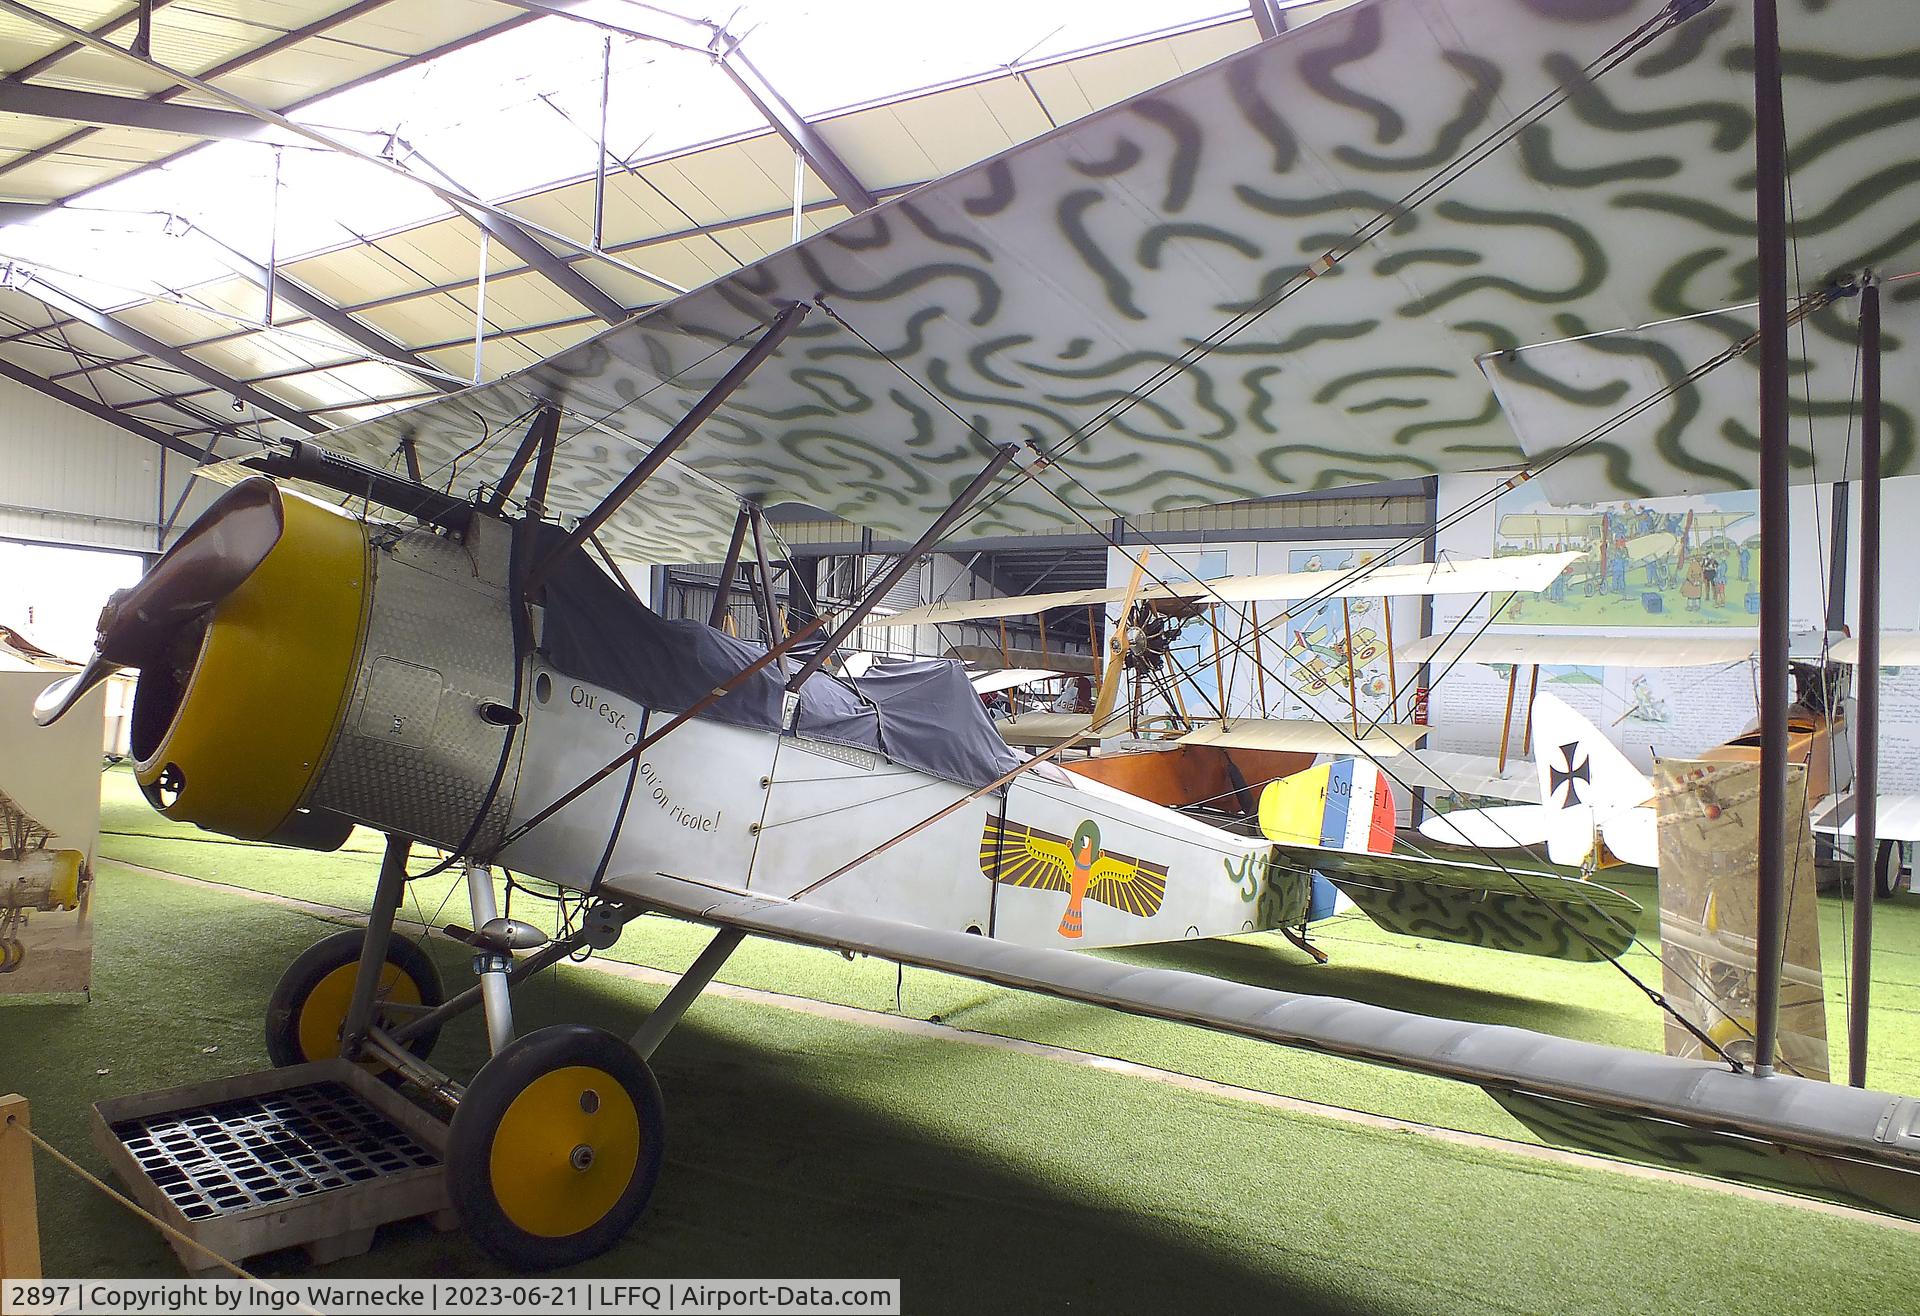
(236, 708)
(361, 673)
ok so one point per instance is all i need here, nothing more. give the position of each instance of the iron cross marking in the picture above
(1572, 772)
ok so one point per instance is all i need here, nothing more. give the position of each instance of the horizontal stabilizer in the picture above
(1518, 910)
(1502, 827)
(1897, 818)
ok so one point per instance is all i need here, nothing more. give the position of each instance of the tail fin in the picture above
(1584, 780)
(1344, 805)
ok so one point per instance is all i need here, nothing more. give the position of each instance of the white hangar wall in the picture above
(1666, 712)
(70, 478)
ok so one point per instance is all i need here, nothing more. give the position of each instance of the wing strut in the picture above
(765, 346)
(723, 588)
(907, 561)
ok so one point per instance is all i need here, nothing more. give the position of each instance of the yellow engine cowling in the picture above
(232, 731)
(363, 673)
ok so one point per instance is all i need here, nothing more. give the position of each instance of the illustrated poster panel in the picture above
(49, 829)
(1709, 821)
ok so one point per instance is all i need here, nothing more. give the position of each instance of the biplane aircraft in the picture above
(1257, 250)
(1818, 739)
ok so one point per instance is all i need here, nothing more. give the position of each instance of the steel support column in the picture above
(1866, 706)
(1770, 210)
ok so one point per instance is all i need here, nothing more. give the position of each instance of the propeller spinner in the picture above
(211, 560)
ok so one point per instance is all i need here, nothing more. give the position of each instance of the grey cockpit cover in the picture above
(921, 713)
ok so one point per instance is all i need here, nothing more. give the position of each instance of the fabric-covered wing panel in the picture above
(1025, 298)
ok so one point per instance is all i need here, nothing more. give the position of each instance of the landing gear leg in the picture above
(490, 962)
(373, 950)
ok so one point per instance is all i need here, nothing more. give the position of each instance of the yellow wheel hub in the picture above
(565, 1151)
(324, 1012)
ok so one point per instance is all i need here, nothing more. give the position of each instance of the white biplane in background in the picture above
(1820, 739)
(1204, 292)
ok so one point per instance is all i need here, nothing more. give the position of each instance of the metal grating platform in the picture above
(315, 1156)
(256, 1151)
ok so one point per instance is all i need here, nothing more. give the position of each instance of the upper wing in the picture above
(1526, 573)
(1029, 298)
(1019, 855)
(1555, 649)
(1896, 650)
(1308, 736)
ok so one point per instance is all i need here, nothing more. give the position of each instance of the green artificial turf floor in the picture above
(810, 1146)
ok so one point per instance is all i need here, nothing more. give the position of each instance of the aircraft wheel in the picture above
(13, 953)
(1887, 871)
(556, 1147)
(1735, 1038)
(309, 1006)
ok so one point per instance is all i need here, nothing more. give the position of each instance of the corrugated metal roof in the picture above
(687, 215)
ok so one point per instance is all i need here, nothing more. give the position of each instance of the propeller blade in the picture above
(211, 560)
(51, 704)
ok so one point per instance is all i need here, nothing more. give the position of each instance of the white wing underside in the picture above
(1022, 300)
(1528, 573)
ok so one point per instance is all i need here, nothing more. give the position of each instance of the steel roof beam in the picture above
(518, 234)
(147, 345)
(1270, 16)
(550, 266)
(324, 312)
(99, 109)
(240, 61)
(794, 128)
(724, 50)
(97, 409)
(83, 41)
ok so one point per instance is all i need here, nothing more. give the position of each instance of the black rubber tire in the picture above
(1886, 872)
(323, 958)
(470, 1144)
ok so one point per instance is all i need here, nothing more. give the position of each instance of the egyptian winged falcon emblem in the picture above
(1019, 855)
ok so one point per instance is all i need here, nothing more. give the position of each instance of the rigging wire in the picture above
(1626, 47)
(1112, 539)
